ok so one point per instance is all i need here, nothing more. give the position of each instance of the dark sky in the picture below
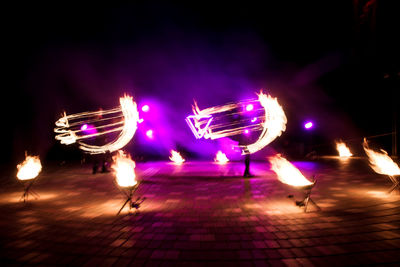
(335, 62)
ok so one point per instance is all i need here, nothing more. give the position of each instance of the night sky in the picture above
(335, 62)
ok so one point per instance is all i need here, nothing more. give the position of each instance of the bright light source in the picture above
(221, 158)
(344, 151)
(124, 168)
(272, 124)
(176, 157)
(254, 119)
(30, 168)
(126, 126)
(84, 127)
(287, 173)
(308, 125)
(249, 107)
(145, 108)
(149, 134)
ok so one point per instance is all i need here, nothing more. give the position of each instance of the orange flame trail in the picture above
(29, 168)
(176, 157)
(124, 168)
(68, 127)
(287, 173)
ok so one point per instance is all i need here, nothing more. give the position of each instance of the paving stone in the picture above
(191, 218)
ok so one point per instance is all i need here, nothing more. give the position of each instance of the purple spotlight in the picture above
(249, 107)
(246, 131)
(149, 134)
(254, 119)
(308, 125)
(145, 108)
(84, 127)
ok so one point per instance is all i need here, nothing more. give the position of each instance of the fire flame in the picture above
(344, 151)
(221, 158)
(30, 168)
(287, 172)
(67, 133)
(124, 168)
(176, 157)
(380, 162)
(272, 123)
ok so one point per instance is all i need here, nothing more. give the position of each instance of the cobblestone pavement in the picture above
(202, 213)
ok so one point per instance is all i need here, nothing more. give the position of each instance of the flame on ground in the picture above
(176, 157)
(344, 151)
(287, 172)
(221, 158)
(30, 168)
(380, 162)
(124, 168)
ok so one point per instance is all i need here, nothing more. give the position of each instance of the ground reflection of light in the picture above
(378, 194)
(16, 197)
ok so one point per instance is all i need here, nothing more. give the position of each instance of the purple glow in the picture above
(254, 119)
(308, 125)
(149, 134)
(145, 108)
(249, 107)
(88, 129)
(246, 131)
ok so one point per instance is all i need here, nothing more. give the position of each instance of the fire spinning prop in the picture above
(124, 168)
(74, 128)
(344, 151)
(288, 174)
(381, 163)
(176, 157)
(240, 118)
(28, 170)
(221, 158)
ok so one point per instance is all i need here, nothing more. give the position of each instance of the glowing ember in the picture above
(124, 168)
(287, 172)
(344, 151)
(380, 162)
(176, 157)
(30, 168)
(68, 133)
(221, 158)
(271, 124)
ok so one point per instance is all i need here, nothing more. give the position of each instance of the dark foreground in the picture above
(202, 213)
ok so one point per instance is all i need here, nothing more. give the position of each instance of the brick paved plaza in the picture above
(203, 214)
